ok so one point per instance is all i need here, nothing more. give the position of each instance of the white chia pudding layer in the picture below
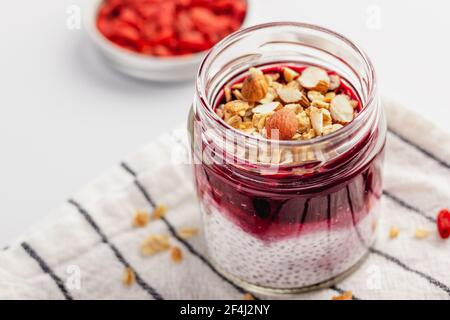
(307, 259)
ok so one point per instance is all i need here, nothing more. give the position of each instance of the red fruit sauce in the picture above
(169, 27)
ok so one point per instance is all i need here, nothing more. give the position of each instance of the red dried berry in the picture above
(443, 223)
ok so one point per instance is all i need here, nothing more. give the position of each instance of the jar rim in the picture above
(367, 105)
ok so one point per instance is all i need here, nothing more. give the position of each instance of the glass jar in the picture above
(287, 216)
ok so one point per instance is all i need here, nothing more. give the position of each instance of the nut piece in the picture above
(234, 107)
(267, 108)
(347, 295)
(248, 296)
(421, 233)
(186, 233)
(289, 74)
(341, 109)
(314, 95)
(154, 244)
(227, 92)
(289, 94)
(332, 128)
(159, 212)
(141, 219)
(255, 87)
(128, 278)
(335, 82)
(393, 232)
(304, 123)
(283, 123)
(320, 118)
(176, 254)
(314, 78)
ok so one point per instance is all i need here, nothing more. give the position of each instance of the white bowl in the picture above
(167, 69)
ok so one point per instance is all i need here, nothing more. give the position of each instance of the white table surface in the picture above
(66, 117)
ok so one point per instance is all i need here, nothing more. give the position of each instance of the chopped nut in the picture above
(289, 94)
(320, 118)
(320, 104)
(255, 86)
(354, 104)
(235, 121)
(267, 108)
(141, 219)
(248, 296)
(341, 109)
(332, 128)
(270, 96)
(422, 233)
(329, 96)
(315, 95)
(304, 123)
(186, 233)
(238, 95)
(289, 74)
(128, 278)
(237, 86)
(393, 232)
(235, 106)
(347, 295)
(227, 92)
(273, 76)
(159, 212)
(311, 133)
(314, 78)
(335, 82)
(294, 107)
(154, 244)
(176, 254)
(283, 123)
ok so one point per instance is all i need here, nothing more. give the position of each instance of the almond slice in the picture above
(290, 75)
(320, 118)
(289, 94)
(255, 86)
(314, 78)
(341, 109)
(335, 82)
(267, 108)
(314, 95)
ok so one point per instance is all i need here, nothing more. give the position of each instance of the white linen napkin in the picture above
(82, 249)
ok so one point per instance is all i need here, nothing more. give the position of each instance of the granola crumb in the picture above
(347, 295)
(159, 212)
(141, 219)
(154, 244)
(248, 297)
(421, 233)
(128, 278)
(393, 232)
(186, 233)
(176, 254)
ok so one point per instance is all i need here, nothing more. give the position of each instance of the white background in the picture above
(66, 117)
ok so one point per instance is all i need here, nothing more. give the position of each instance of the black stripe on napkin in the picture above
(46, 268)
(175, 234)
(406, 205)
(420, 149)
(141, 282)
(395, 260)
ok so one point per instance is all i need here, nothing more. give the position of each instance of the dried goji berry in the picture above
(443, 223)
(169, 27)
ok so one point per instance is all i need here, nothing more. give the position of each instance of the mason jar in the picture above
(287, 216)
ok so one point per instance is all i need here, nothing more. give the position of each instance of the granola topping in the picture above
(288, 103)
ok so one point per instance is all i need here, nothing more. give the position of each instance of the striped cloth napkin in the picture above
(82, 250)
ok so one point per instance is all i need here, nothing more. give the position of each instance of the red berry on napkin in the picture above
(443, 223)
